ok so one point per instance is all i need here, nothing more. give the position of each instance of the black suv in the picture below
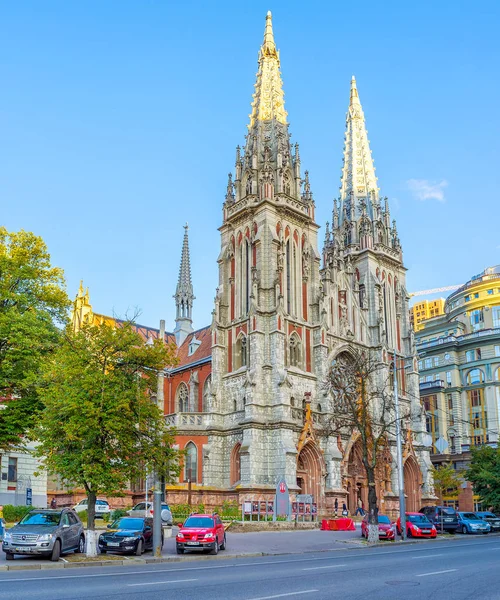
(444, 518)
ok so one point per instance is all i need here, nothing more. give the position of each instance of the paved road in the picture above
(461, 568)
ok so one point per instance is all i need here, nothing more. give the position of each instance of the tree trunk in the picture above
(373, 534)
(91, 537)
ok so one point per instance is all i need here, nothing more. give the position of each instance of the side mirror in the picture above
(65, 526)
(109, 526)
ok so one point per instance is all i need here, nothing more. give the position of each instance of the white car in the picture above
(140, 510)
(101, 507)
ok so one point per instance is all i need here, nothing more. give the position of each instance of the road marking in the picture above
(326, 567)
(160, 582)
(426, 556)
(283, 595)
(436, 573)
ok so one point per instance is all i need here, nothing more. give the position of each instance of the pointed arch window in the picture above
(235, 468)
(288, 278)
(241, 352)
(295, 351)
(191, 463)
(182, 398)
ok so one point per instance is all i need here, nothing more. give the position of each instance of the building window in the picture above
(448, 377)
(241, 352)
(436, 361)
(182, 398)
(207, 388)
(490, 292)
(495, 311)
(191, 467)
(431, 418)
(470, 356)
(475, 376)
(12, 470)
(420, 365)
(467, 298)
(477, 319)
(497, 350)
(428, 363)
(475, 397)
(449, 397)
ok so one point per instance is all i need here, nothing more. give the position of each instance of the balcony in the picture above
(432, 385)
(461, 338)
(187, 420)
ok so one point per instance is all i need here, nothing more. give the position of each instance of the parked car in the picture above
(45, 532)
(131, 535)
(444, 518)
(101, 507)
(201, 532)
(469, 522)
(140, 510)
(385, 528)
(417, 525)
(490, 518)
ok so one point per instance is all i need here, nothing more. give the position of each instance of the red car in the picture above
(201, 532)
(417, 525)
(385, 528)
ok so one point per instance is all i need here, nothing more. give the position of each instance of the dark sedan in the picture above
(131, 535)
(490, 518)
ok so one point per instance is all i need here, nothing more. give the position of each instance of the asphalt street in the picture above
(460, 568)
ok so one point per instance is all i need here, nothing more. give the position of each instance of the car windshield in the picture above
(447, 511)
(384, 519)
(45, 518)
(101, 502)
(488, 515)
(128, 523)
(199, 522)
(469, 516)
(418, 519)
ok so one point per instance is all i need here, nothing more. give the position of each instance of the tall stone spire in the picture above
(269, 98)
(184, 295)
(358, 182)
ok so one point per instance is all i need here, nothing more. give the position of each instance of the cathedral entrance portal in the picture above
(412, 487)
(309, 472)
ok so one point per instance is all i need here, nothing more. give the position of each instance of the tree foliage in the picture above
(484, 474)
(447, 480)
(99, 428)
(33, 302)
(362, 405)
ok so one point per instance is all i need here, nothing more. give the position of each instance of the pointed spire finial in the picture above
(354, 92)
(184, 295)
(268, 46)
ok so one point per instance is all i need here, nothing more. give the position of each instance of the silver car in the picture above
(141, 510)
(45, 532)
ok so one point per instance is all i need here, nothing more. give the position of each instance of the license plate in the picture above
(114, 544)
(448, 520)
(193, 543)
(425, 531)
(23, 549)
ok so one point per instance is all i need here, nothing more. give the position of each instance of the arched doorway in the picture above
(310, 472)
(357, 484)
(412, 481)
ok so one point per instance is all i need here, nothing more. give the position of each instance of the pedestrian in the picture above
(53, 503)
(345, 512)
(336, 507)
(359, 509)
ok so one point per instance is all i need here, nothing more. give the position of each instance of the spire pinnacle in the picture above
(269, 98)
(184, 295)
(354, 92)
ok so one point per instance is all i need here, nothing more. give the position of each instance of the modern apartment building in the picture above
(426, 309)
(459, 364)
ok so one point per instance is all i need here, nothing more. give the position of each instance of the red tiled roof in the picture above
(149, 332)
(204, 350)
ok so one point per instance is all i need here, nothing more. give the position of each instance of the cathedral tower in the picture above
(266, 321)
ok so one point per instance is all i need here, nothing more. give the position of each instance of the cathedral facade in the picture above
(248, 398)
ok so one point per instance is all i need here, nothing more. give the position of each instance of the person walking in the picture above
(360, 510)
(345, 512)
(336, 507)
(53, 503)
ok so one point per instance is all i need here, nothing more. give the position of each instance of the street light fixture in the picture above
(399, 449)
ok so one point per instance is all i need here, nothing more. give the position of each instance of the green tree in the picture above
(99, 428)
(446, 481)
(484, 474)
(33, 302)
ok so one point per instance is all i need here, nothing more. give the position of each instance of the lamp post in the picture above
(402, 508)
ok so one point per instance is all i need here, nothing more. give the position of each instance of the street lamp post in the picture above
(402, 508)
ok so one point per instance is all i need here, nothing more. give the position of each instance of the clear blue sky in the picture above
(119, 122)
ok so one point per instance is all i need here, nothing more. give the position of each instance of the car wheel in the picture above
(138, 550)
(216, 548)
(9, 556)
(81, 545)
(180, 550)
(56, 551)
(223, 545)
(485, 532)
(464, 529)
(409, 533)
(103, 550)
